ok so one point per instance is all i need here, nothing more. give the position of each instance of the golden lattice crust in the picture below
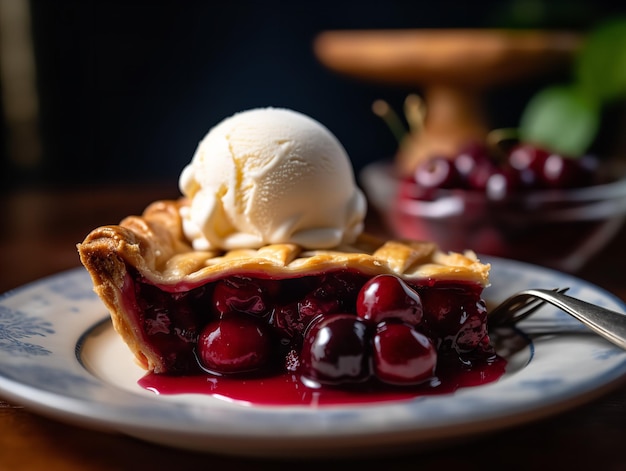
(154, 245)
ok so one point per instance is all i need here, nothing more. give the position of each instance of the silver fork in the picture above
(609, 324)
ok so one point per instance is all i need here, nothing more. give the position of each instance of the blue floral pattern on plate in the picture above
(15, 326)
(60, 357)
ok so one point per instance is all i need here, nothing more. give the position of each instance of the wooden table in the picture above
(37, 238)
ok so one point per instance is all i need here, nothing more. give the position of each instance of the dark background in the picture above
(128, 88)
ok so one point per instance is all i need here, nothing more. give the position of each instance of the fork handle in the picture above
(609, 324)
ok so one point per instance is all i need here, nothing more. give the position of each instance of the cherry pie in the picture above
(373, 311)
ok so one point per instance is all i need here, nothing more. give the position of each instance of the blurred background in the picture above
(97, 91)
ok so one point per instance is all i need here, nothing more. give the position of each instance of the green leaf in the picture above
(600, 66)
(561, 119)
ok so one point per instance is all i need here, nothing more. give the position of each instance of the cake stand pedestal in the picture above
(453, 68)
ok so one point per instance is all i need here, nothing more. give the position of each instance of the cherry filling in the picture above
(337, 329)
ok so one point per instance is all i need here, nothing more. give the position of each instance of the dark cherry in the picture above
(402, 355)
(438, 172)
(528, 157)
(471, 334)
(543, 169)
(470, 157)
(335, 293)
(336, 350)
(457, 322)
(474, 167)
(236, 343)
(564, 172)
(326, 294)
(289, 323)
(503, 183)
(389, 297)
(241, 295)
(479, 176)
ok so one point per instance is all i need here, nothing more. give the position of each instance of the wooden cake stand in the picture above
(452, 68)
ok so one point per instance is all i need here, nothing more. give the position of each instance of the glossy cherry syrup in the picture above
(287, 389)
(333, 338)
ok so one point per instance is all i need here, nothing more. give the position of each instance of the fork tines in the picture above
(515, 308)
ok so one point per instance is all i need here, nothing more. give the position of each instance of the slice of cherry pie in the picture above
(372, 311)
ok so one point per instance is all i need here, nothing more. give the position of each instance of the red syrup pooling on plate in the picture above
(288, 390)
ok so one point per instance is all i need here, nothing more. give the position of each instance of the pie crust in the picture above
(154, 246)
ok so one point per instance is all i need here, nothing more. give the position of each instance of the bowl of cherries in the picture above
(534, 193)
(523, 203)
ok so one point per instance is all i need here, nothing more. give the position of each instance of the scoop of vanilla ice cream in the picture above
(268, 176)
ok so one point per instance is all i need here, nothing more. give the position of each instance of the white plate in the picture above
(60, 357)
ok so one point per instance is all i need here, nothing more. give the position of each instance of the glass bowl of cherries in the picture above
(533, 193)
(525, 203)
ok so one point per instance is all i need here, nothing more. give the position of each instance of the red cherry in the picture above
(402, 355)
(389, 297)
(234, 344)
(241, 295)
